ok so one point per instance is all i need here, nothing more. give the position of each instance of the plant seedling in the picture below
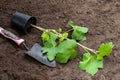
(58, 46)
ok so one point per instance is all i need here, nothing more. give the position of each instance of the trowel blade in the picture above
(36, 53)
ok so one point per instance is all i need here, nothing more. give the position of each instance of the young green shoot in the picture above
(58, 46)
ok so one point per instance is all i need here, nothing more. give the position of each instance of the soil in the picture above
(102, 17)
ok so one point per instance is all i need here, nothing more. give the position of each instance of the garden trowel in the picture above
(34, 52)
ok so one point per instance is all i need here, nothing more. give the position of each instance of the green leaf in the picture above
(67, 44)
(90, 63)
(66, 51)
(64, 57)
(49, 39)
(81, 29)
(105, 50)
(51, 52)
(78, 31)
(71, 23)
(77, 35)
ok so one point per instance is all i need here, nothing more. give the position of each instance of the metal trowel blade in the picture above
(36, 53)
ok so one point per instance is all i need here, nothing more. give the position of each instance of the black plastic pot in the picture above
(22, 22)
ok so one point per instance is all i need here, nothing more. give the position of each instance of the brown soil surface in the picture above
(102, 17)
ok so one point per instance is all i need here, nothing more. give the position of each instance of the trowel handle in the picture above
(11, 36)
